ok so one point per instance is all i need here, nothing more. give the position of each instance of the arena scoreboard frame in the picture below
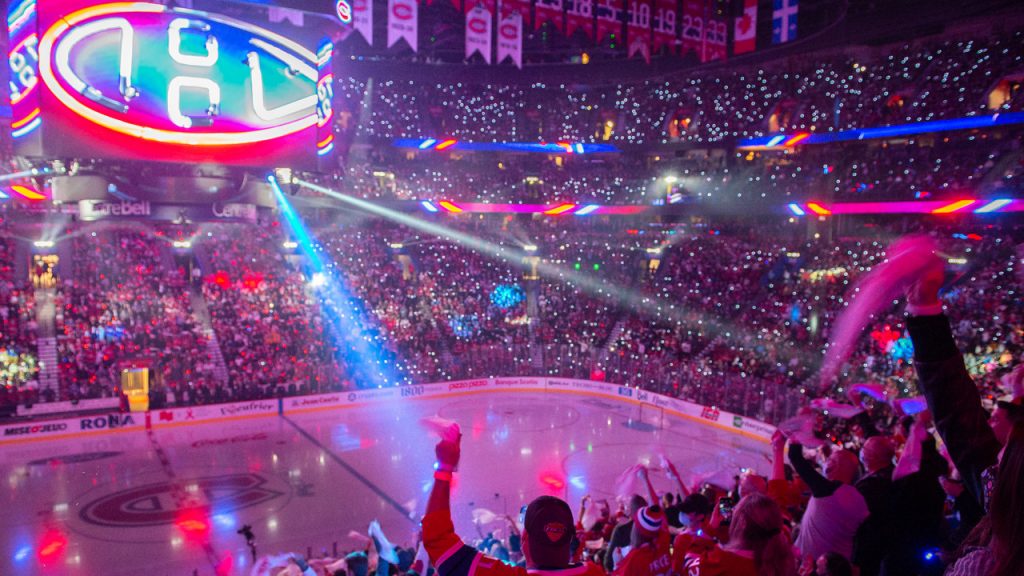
(229, 85)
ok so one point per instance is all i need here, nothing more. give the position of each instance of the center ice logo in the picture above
(156, 504)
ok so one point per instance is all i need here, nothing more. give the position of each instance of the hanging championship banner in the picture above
(579, 15)
(402, 22)
(609, 17)
(666, 25)
(362, 19)
(510, 34)
(478, 32)
(639, 29)
(549, 11)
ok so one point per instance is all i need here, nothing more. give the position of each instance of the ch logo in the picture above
(178, 76)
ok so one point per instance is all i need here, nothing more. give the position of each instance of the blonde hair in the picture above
(757, 527)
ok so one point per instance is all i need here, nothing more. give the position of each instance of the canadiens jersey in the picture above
(646, 560)
(451, 557)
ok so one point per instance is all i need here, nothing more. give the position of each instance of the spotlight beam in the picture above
(359, 345)
(650, 306)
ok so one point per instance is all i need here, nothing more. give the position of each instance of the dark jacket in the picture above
(954, 401)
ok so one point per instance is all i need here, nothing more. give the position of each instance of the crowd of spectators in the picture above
(736, 318)
(19, 366)
(123, 303)
(930, 167)
(269, 328)
(926, 80)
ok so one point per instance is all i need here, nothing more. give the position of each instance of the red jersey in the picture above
(718, 562)
(451, 557)
(687, 544)
(649, 559)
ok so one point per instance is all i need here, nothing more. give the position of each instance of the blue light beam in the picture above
(359, 345)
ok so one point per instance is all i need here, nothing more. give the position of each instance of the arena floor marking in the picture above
(348, 468)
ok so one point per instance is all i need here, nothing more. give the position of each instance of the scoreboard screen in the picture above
(144, 81)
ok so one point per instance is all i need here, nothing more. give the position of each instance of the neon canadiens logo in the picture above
(178, 76)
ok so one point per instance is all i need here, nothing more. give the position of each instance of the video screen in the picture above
(217, 82)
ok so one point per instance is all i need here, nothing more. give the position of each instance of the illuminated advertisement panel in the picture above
(143, 81)
(23, 61)
(325, 144)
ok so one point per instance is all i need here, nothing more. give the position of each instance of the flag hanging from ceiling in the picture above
(362, 19)
(693, 27)
(784, 21)
(549, 11)
(639, 29)
(402, 22)
(609, 17)
(666, 24)
(745, 30)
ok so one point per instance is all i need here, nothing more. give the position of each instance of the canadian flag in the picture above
(745, 32)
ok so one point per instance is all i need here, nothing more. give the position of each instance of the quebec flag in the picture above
(784, 21)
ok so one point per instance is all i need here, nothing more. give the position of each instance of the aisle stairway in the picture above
(202, 315)
(46, 344)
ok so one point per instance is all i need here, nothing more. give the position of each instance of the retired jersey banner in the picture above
(579, 15)
(744, 36)
(716, 39)
(510, 39)
(549, 11)
(362, 19)
(639, 29)
(609, 17)
(402, 22)
(509, 7)
(478, 32)
(693, 27)
(666, 25)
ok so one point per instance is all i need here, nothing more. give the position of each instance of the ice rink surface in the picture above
(170, 501)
